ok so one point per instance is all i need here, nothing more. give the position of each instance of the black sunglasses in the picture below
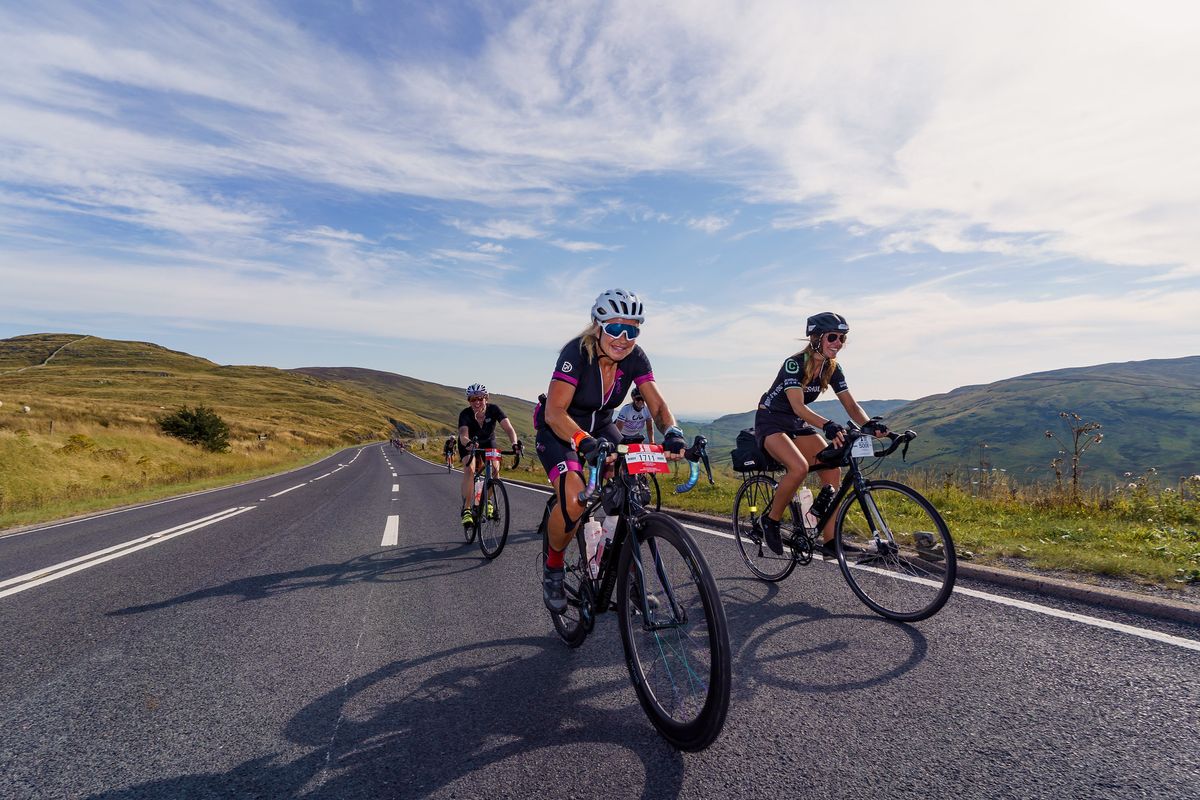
(835, 337)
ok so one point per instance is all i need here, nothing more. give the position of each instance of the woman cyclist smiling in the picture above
(785, 426)
(593, 373)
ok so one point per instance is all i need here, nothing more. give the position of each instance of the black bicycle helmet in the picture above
(826, 322)
(636, 394)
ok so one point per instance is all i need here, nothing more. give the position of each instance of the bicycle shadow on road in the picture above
(799, 647)
(395, 565)
(504, 718)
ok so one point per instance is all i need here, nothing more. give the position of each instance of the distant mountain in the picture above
(1150, 412)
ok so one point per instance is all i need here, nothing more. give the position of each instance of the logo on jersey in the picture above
(566, 367)
(791, 366)
(561, 467)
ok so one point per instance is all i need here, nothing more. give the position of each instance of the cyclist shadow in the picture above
(465, 722)
(416, 562)
(800, 647)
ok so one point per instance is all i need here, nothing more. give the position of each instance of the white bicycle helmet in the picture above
(618, 304)
(476, 390)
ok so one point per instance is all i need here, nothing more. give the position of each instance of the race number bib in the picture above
(645, 458)
(863, 447)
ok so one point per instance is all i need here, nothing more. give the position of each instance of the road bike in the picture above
(489, 506)
(893, 548)
(672, 623)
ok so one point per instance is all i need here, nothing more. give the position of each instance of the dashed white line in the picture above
(391, 531)
(53, 573)
(285, 491)
(326, 475)
(395, 487)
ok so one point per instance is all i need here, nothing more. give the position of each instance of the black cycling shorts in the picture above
(768, 422)
(558, 456)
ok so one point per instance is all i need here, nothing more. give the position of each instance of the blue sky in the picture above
(439, 190)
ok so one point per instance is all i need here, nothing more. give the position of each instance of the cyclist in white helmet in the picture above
(478, 421)
(591, 377)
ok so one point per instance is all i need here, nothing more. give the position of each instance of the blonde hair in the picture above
(810, 364)
(589, 340)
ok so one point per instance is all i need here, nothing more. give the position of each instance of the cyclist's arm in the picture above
(855, 411)
(558, 399)
(464, 435)
(659, 411)
(795, 397)
(509, 429)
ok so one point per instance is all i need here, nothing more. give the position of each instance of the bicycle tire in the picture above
(655, 494)
(677, 647)
(909, 577)
(752, 500)
(493, 529)
(572, 625)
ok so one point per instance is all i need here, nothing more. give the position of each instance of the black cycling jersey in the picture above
(590, 407)
(790, 377)
(481, 433)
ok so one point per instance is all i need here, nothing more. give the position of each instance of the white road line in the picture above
(326, 475)
(285, 491)
(53, 573)
(393, 474)
(391, 532)
(395, 487)
(1121, 627)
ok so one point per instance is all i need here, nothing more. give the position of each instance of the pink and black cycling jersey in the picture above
(790, 376)
(591, 408)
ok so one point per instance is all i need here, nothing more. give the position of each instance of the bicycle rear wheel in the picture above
(675, 634)
(574, 624)
(907, 565)
(751, 502)
(493, 528)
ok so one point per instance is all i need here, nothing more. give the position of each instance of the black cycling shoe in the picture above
(771, 534)
(553, 593)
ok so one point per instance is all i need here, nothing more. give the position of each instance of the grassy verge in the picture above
(87, 468)
(1143, 533)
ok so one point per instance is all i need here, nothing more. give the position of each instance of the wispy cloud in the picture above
(709, 224)
(582, 247)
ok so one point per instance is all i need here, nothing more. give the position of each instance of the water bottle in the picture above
(478, 488)
(806, 503)
(592, 534)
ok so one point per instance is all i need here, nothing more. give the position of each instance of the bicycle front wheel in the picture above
(493, 527)
(655, 494)
(751, 502)
(895, 551)
(674, 632)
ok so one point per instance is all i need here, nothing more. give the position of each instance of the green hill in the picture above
(1150, 412)
(437, 405)
(90, 437)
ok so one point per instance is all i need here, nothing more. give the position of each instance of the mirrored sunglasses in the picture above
(835, 337)
(615, 329)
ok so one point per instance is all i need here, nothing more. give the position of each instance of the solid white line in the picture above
(91, 517)
(53, 573)
(395, 487)
(285, 491)
(1132, 630)
(391, 532)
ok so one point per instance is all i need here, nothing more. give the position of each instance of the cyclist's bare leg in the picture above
(783, 449)
(560, 536)
(468, 481)
(809, 447)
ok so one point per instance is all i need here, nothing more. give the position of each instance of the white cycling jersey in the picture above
(632, 422)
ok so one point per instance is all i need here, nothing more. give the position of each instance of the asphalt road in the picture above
(262, 641)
